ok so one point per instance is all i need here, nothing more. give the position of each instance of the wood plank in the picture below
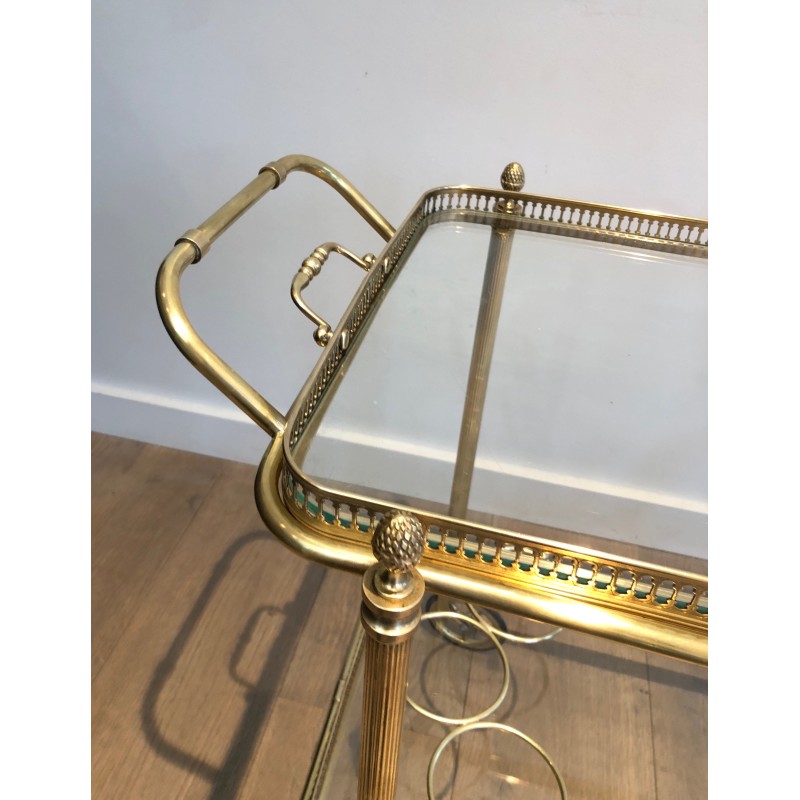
(285, 752)
(142, 504)
(679, 712)
(317, 662)
(584, 700)
(307, 688)
(112, 456)
(181, 701)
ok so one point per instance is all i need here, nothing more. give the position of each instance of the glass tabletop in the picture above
(595, 409)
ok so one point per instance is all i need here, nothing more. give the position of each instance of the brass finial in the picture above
(398, 541)
(513, 177)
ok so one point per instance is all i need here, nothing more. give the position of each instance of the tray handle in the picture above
(194, 245)
(309, 270)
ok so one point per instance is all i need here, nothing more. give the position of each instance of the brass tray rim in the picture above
(433, 207)
(666, 629)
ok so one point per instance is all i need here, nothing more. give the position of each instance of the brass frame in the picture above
(641, 604)
(636, 603)
(645, 605)
(195, 243)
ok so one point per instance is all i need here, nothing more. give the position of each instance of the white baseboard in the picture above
(197, 428)
(634, 515)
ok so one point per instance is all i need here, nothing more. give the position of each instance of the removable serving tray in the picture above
(645, 605)
(642, 604)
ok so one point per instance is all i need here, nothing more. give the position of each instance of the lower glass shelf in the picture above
(616, 721)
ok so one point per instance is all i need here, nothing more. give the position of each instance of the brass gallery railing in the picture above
(640, 604)
(645, 605)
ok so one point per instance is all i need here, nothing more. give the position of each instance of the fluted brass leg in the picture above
(392, 592)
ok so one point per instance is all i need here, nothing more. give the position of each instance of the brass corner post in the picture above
(391, 608)
(512, 180)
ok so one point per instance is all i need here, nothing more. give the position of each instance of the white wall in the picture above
(602, 101)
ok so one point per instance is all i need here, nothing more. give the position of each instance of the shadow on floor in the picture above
(226, 779)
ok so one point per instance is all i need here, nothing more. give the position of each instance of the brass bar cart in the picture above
(403, 548)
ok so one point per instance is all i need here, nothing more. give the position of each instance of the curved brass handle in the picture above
(309, 270)
(195, 243)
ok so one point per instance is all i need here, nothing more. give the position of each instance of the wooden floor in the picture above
(216, 652)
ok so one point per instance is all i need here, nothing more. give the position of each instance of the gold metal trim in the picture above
(391, 606)
(644, 605)
(188, 341)
(194, 245)
(309, 270)
(492, 291)
(639, 604)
